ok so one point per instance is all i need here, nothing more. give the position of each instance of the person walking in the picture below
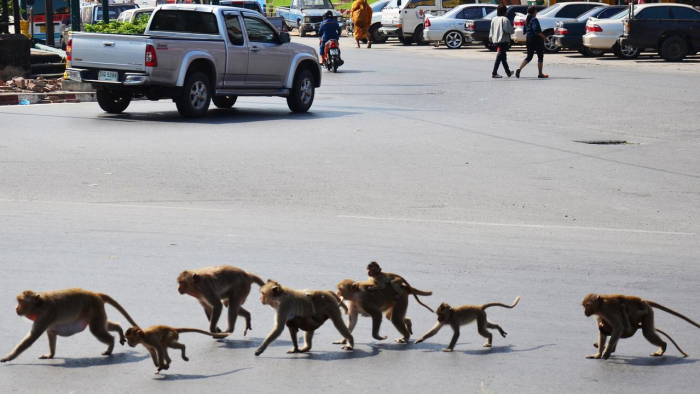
(501, 29)
(329, 30)
(361, 14)
(535, 42)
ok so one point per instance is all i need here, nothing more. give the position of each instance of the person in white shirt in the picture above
(501, 29)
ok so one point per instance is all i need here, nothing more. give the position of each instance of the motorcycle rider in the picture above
(329, 30)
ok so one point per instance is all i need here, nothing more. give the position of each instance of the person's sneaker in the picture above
(510, 74)
(496, 76)
(517, 73)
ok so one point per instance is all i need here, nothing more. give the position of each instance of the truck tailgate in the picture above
(109, 51)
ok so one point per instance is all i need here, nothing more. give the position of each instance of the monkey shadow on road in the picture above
(646, 361)
(482, 351)
(176, 377)
(115, 359)
(314, 355)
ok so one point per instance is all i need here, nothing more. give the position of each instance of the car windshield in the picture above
(595, 11)
(621, 14)
(114, 11)
(316, 4)
(378, 6)
(490, 15)
(394, 3)
(549, 9)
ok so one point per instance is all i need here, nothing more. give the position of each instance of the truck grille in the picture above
(315, 19)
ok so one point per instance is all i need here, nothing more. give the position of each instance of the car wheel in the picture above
(113, 102)
(590, 52)
(195, 98)
(674, 49)
(224, 102)
(302, 94)
(377, 36)
(550, 44)
(626, 52)
(406, 40)
(454, 39)
(418, 36)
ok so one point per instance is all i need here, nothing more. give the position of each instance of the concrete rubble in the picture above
(24, 85)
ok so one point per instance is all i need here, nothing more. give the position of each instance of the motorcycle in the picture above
(331, 57)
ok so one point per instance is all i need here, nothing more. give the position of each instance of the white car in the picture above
(450, 26)
(548, 18)
(133, 15)
(602, 34)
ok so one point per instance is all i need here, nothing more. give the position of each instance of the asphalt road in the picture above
(474, 188)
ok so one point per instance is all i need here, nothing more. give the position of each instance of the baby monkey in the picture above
(466, 314)
(380, 280)
(157, 340)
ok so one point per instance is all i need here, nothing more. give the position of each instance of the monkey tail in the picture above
(673, 342)
(417, 292)
(217, 335)
(490, 304)
(109, 300)
(256, 279)
(671, 311)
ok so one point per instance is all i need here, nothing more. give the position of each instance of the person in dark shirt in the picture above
(329, 30)
(535, 42)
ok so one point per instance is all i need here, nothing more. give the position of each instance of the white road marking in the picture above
(97, 204)
(542, 226)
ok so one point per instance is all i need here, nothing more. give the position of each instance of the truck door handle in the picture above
(254, 49)
(107, 44)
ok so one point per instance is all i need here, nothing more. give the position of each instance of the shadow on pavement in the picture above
(176, 377)
(649, 361)
(114, 359)
(481, 351)
(329, 356)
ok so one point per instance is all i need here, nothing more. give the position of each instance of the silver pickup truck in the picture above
(196, 54)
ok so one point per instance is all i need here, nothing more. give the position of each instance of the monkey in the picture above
(211, 285)
(65, 313)
(606, 329)
(607, 311)
(380, 279)
(466, 314)
(305, 310)
(157, 340)
(373, 304)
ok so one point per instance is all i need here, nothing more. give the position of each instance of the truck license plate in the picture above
(334, 51)
(108, 76)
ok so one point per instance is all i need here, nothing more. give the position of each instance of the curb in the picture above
(48, 98)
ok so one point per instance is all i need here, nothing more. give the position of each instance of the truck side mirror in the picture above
(285, 38)
(398, 3)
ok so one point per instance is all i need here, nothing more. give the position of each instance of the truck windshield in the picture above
(316, 4)
(378, 6)
(394, 3)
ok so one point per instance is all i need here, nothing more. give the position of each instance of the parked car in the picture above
(602, 36)
(374, 29)
(404, 18)
(548, 17)
(569, 34)
(449, 28)
(195, 55)
(134, 14)
(307, 15)
(92, 13)
(671, 29)
(477, 30)
(247, 4)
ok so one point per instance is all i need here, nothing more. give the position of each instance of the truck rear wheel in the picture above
(377, 36)
(196, 96)
(674, 49)
(113, 102)
(302, 94)
(224, 102)
(418, 36)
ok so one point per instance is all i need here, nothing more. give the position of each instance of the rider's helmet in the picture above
(328, 15)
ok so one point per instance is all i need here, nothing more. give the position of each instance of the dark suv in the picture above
(672, 29)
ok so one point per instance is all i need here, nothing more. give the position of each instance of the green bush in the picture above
(119, 27)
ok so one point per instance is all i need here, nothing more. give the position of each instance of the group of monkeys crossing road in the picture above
(67, 312)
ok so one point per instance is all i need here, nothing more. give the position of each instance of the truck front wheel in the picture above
(302, 94)
(113, 102)
(196, 96)
(302, 32)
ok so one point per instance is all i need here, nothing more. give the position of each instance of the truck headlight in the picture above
(307, 19)
(340, 18)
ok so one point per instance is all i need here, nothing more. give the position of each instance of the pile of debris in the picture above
(39, 85)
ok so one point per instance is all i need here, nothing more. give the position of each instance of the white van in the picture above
(404, 18)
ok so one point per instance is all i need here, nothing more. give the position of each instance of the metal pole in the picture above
(4, 27)
(49, 22)
(105, 11)
(75, 15)
(16, 15)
